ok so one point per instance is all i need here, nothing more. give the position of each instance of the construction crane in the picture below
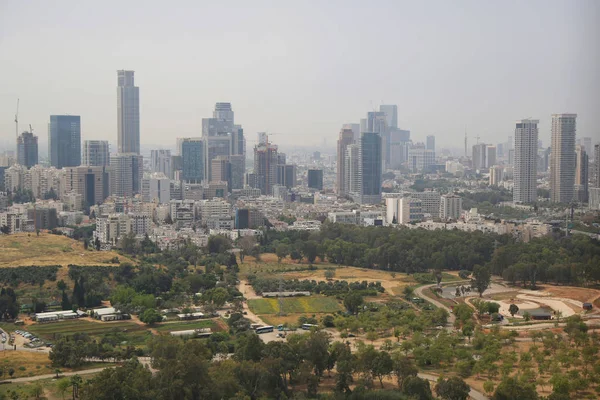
(476, 137)
(17, 120)
(30, 129)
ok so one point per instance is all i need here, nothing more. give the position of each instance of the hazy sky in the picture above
(302, 68)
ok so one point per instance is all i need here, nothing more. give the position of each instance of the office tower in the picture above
(221, 170)
(217, 145)
(562, 159)
(128, 113)
(95, 153)
(192, 160)
(490, 156)
(128, 170)
(156, 187)
(363, 127)
(420, 159)
(377, 122)
(93, 183)
(161, 161)
(286, 175)
(223, 112)
(27, 149)
(496, 172)
(355, 128)
(262, 137)
(391, 114)
(221, 123)
(237, 141)
(511, 157)
(500, 150)
(430, 143)
(370, 163)
(479, 154)
(581, 174)
(238, 168)
(525, 161)
(450, 206)
(403, 210)
(265, 167)
(64, 141)
(315, 179)
(597, 165)
(399, 146)
(352, 175)
(346, 138)
(281, 158)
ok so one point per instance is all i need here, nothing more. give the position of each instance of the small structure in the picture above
(285, 294)
(193, 333)
(55, 316)
(540, 314)
(587, 306)
(189, 316)
(109, 314)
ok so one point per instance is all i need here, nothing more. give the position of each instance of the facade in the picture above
(315, 179)
(238, 168)
(353, 173)
(490, 156)
(160, 161)
(430, 143)
(156, 187)
(128, 113)
(221, 170)
(450, 207)
(265, 167)
(596, 177)
(391, 114)
(193, 160)
(286, 175)
(420, 159)
(371, 167)
(496, 172)
(95, 153)
(64, 141)
(562, 159)
(27, 149)
(479, 154)
(93, 183)
(345, 139)
(218, 145)
(128, 170)
(581, 175)
(430, 201)
(525, 161)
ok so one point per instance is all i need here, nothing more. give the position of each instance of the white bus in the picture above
(308, 327)
(264, 329)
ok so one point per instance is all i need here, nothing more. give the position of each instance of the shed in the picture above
(587, 306)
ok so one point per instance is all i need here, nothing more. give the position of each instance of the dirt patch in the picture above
(576, 293)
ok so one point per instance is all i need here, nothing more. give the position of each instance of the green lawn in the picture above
(185, 325)
(48, 330)
(309, 304)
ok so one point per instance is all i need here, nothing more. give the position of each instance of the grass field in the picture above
(185, 325)
(48, 330)
(47, 249)
(311, 304)
(25, 363)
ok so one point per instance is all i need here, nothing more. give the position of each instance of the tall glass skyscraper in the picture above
(192, 158)
(128, 113)
(64, 141)
(27, 149)
(370, 154)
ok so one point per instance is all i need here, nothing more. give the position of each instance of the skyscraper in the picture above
(217, 145)
(490, 156)
(192, 159)
(160, 161)
(95, 153)
(128, 171)
(371, 155)
(353, 172)
(594, 191)
(355, 128)
(581, 174)
(525, 161)
(286, 175)
(27, 149)
(93, 183)
(391, 114)
(265, 167)
(597, 165)
(345, 139)
(128, 113)
(315, 179)
(64, 141)
(479, 154)
(377, 122)
(562, 159)
(431, 143)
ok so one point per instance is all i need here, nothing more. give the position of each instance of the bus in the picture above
(308, 327)
(264, 329)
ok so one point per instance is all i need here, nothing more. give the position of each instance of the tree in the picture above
(218, 244)
(403, 367)
(481, 278)
(62, 385)
(282, 250)
(353, 301)
(452, 388)
(408, 292)
(510, 389)
(66, 303)
(383, 366)
(329, 274)
(150, 316)
(246, 243)
(36, 390)
(417, 387)
(61, 285)
(513, 309)
(310, 251)
(489, 386)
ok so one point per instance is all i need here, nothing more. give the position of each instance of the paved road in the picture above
(420, 293)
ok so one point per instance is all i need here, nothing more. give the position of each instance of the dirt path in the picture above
(249, 293)
(420, 293)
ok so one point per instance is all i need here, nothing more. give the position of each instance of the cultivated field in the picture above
(185, 325)
(47, 249)
(309, 304)
(49, 330)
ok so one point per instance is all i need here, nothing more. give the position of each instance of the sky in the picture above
(302, 69)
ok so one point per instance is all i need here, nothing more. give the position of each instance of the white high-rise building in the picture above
(496, 173)
(156, 187)
(160, 161)
(95, 153)
(525, 161)
(581, 175)
(128, 172)
(128, 113)
(562, 158)
(450, 207)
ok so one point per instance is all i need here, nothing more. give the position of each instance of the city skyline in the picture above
(485, 107)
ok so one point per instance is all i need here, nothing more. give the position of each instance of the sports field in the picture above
(309, 304)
